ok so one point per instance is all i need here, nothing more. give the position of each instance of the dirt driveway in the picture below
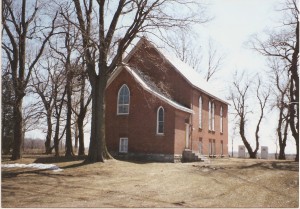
(218, 183)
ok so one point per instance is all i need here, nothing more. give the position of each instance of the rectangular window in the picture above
(221, 147)
(210, 147)
(214, 147)
(200, 147)
(123, 147)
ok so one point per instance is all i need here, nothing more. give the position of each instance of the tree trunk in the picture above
(49, 135)
(69, 147)
(97, 150)
(76, 136)
(56, 136)
(18, 132)
(247, 145)
(80, 135)
(294, 94)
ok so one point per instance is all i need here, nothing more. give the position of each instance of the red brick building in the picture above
(157, 108)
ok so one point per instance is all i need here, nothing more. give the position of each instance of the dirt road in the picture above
(218, 183)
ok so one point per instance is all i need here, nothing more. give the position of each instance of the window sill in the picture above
(158, 134)
(211, 132)
(124, 114)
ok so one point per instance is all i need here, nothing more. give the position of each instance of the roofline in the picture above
(147, 88)
(142, 40)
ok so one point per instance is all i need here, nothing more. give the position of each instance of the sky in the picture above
(232, 26)
(235, 21)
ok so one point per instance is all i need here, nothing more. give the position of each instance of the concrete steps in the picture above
(190, 156)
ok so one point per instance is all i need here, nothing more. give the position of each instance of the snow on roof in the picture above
(193, 77)
(155, 93)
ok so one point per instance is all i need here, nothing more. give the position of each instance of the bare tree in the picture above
(215, 60)
(46, 82)
(66, 52)
(22, 22)
(141, 17)
(281, 93)
(80, 107)
(188, 50)
(284, 44)
(239, 96)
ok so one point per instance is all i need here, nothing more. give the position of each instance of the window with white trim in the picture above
(211, 116)
(200, 112)
(123, 146)
(160, 120)
(123, 100)
(221, 119)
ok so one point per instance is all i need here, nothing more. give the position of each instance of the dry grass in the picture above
(220, 183)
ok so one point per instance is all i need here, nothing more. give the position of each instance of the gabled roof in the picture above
(187, 72)
(146, 86)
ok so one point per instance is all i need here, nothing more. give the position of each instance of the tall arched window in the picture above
(221, 119)
(200, 112)
(211, 116)
(160, 120)
(123, 100)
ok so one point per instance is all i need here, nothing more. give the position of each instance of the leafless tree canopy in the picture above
(239, 95)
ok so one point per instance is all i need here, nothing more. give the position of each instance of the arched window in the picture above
(213, 116)
(200, 112)
(123, 100)
(221, 119)
(160, 120)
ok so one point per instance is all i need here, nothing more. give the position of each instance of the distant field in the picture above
(216, 183)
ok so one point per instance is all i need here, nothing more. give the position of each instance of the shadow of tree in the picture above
(275, 165)
(60, 159)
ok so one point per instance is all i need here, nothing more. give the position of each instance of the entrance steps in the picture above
(190, 156)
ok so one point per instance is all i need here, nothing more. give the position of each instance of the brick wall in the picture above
(140, 124)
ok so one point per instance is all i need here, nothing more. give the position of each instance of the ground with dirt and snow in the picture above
(218, 183)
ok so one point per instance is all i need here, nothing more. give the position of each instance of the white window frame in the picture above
(200, 111)
(118, 105)
(158, 122)
(123, 145)
(209, 115)
(221, 119)
(213, 116)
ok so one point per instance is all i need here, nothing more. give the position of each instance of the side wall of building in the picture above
(218, 138)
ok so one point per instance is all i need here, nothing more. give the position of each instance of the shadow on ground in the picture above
(60, 159)
(278, 165)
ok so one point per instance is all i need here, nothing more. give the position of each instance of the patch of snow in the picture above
(33, 165)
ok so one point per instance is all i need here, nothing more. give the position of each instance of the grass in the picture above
(218, 183)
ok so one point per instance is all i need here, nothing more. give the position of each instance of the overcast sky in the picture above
(233, 24)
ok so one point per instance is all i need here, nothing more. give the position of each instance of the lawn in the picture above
(216, 183)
